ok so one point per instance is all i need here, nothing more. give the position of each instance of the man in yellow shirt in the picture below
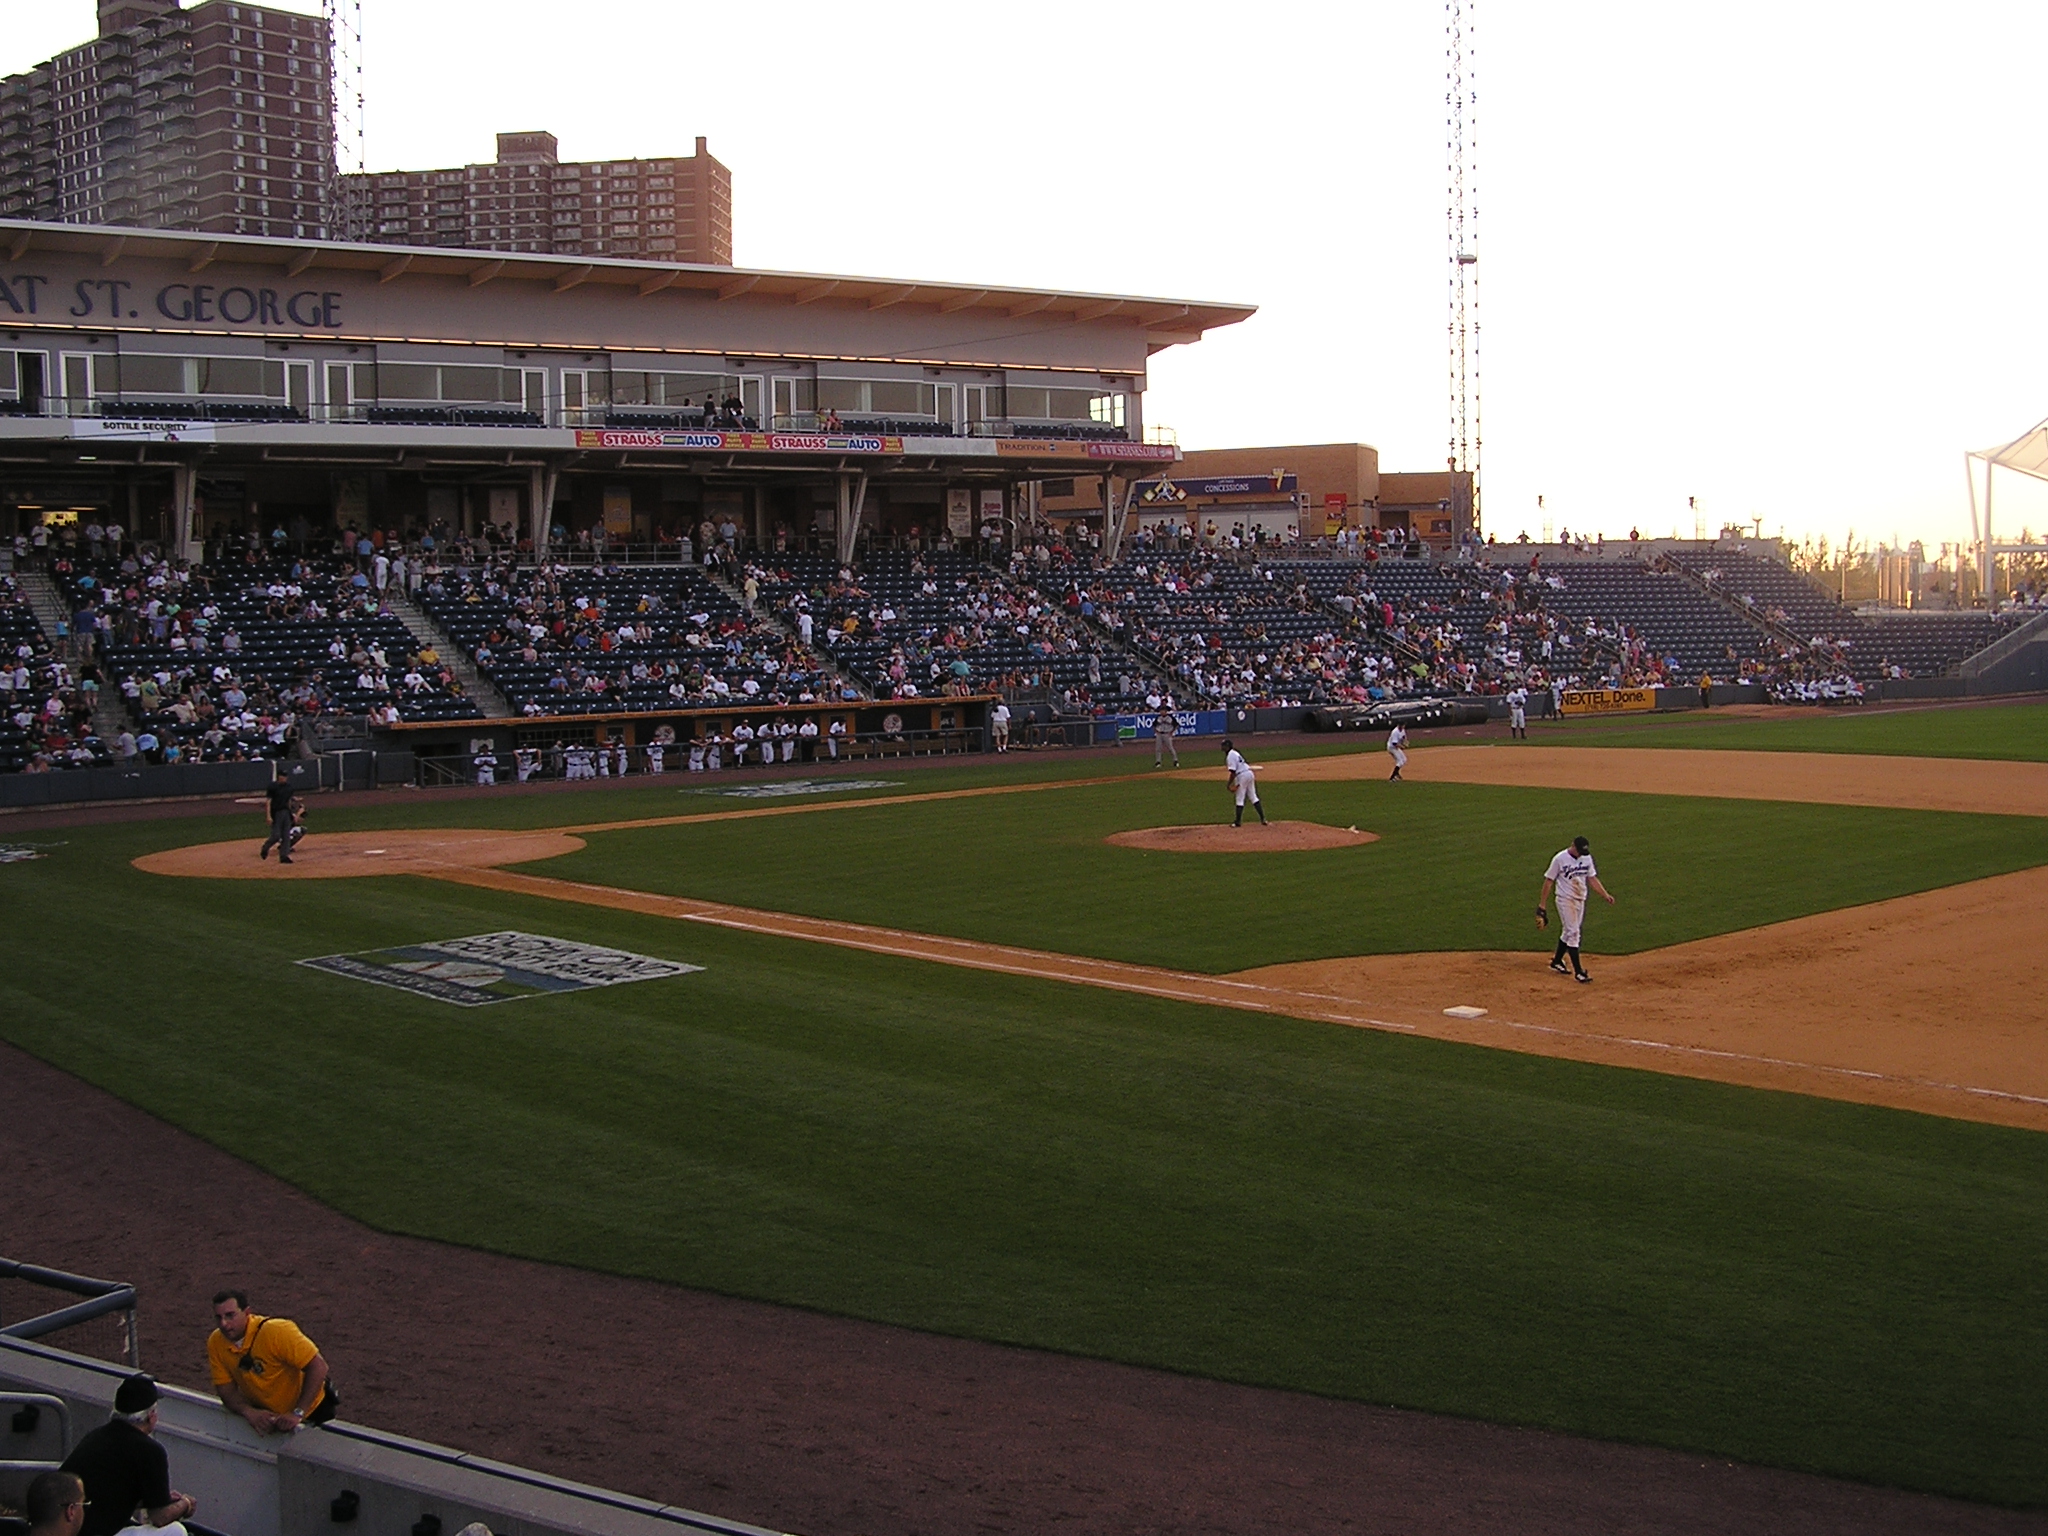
(265, 1369)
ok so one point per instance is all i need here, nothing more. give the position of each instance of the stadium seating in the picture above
(690, 643)
(1867, 645)
(922, 622)
(1671, 619)
(221, 665)
(22, 643)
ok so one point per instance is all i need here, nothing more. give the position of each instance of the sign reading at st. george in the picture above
(114, 299)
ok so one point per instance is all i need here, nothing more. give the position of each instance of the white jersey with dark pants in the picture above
(1570, 873)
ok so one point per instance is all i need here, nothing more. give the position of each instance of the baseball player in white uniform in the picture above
(1397, 748)
(1572, 871)
(1244, 784)
(1518, 712)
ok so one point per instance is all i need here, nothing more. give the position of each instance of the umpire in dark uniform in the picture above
(279, 795)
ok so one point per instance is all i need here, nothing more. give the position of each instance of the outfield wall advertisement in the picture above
(1188, 722)
(1608, 701)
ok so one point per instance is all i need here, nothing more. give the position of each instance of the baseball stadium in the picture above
(1094, 1021)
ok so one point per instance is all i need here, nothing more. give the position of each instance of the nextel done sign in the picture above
(112, 299)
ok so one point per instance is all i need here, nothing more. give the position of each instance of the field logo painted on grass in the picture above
(21, 853)
(791, 787)
(498, 967)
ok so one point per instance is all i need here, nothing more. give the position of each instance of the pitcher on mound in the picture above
(1244, 785)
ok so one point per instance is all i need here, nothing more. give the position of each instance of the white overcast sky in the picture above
(1783, 257)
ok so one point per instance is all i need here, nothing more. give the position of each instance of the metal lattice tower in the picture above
(1461, 103)
(345, 78)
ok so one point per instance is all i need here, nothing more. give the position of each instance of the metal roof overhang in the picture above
(1166, 322)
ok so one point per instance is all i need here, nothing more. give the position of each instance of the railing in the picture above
(103, 1297)
(2007, 644)
(258, 410)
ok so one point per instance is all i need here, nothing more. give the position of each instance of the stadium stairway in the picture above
(766, 611)
(110, 715)
(1727, 600)
(46, 602)
(481, 690)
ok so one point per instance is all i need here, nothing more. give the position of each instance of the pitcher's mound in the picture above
(340, 855)
(1221, 837)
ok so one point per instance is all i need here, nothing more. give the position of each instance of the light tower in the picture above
(344, 18)
(1461, 102)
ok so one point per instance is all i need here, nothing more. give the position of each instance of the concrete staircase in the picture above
(47, 604)
(764, 613)
(110, 717)
(423, 629)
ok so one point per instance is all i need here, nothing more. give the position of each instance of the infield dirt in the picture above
(1930, 1002)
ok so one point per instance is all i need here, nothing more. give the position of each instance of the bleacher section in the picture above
(24, 650)
(1870, 645)
(1776, 592)
(926, 622)
(221, 666)
(588, 641)
(1672, 620)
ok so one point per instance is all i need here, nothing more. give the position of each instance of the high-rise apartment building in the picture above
(530, 200)
(218, 118)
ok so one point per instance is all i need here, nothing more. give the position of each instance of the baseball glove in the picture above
(1542, 918)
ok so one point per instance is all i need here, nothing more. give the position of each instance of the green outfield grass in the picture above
(1747, 1274)
(2015, 731)
(1457, 867)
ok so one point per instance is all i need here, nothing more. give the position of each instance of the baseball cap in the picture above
(1581, 845)
(137, 1394)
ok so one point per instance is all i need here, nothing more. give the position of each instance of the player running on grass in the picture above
(1572, 871)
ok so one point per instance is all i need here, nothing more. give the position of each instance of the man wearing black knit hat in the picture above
(127, 1475)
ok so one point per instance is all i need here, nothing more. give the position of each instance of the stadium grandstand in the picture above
(466, 503)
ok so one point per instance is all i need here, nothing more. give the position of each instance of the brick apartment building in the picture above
(218, 118)
(529, 199)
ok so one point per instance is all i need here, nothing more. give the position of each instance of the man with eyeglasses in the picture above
(265, 1369)
(55, 1504)
(124, 1475)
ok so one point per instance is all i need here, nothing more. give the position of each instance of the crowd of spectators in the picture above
(916, 624)
(220, 663)
(49, 703)
(572, 639)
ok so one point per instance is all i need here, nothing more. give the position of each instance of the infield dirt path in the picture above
(1930, 1002)
(1905, 783)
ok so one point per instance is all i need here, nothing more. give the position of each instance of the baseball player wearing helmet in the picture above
(1244, 785)
(1572, 871)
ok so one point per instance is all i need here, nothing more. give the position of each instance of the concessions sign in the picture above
(740, 442)
(1608, 701)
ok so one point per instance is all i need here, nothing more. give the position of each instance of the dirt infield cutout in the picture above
(1904, 783)
(1252, 837)
(1865, 1004)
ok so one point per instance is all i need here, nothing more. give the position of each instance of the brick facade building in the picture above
(529, 200)
(218, 118)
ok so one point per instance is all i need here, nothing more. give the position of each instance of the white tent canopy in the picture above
(2027, 454)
